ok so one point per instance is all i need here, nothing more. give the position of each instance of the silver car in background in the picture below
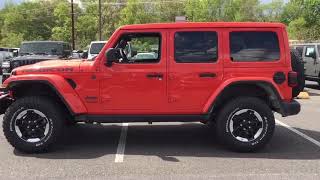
(310, 53)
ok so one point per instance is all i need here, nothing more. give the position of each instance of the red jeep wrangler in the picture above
(232, 76)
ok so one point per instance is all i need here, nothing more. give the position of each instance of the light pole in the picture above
(100, 24)
(72, 25)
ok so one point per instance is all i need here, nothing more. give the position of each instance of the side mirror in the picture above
(111, 56)
(84, 55)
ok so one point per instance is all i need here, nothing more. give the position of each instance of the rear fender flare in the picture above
(267, 84)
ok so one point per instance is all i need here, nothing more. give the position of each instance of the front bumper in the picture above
(5, 102)
(5, 99)
(290, 108)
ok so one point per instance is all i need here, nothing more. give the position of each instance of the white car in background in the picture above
(95, 48)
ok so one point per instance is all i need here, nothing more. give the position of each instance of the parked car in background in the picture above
(77, 54)
(7, 53)
(35, 51)
(4, 55)
(310, 53)
(95, 48)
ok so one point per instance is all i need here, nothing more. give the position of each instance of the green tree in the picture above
(29, 20)
(137, 12)
(303, 19)
(168, 10)
(272, 12)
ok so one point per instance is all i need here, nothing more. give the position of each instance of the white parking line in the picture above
(122, 143)
(299, 133)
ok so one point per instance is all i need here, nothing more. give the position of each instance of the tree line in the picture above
(50, 19)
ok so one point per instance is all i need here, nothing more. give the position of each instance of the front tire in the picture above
(33, 124)
(245, 124)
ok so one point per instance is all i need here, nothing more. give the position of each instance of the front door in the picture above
(195, 69)
(310, 62)
(136, 84)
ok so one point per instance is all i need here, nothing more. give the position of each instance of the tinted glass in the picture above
(50, 48)
(95, 48)
(254, 46)
(318, 50)
(195, 47)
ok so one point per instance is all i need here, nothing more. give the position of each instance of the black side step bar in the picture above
(140, 118)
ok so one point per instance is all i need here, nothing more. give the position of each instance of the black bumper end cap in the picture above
(290, 108)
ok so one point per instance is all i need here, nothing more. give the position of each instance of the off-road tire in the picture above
(297, 66)
(48, 108)
(223, 131)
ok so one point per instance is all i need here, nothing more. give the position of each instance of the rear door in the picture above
(195, 68)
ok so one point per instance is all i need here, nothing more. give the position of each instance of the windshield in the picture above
(95, 48)
(47, 48)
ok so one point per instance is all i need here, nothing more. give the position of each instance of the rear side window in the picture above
(310, 50)
(195, 47)
(247, 46)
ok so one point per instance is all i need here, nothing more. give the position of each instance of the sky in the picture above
(2, 2)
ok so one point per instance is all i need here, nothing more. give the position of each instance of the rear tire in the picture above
(33, 124)
(245, 124)
(297, 66)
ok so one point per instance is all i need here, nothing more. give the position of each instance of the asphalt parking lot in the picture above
(172, 151)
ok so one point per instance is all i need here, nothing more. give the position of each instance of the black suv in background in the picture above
(35, 51)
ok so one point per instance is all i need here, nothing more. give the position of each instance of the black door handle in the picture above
(154, 75)
(207, 75)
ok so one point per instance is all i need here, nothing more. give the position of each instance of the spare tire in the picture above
(297, 66)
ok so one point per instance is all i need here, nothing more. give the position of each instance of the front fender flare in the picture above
(63, 89)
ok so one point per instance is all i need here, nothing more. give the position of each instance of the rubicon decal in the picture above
(49, 70)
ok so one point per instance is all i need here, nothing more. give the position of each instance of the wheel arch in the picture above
(261, 89)
(64, 92)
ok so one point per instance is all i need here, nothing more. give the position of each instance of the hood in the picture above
(50, 67)
(35, 57)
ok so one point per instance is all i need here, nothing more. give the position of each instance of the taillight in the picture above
(292, 78)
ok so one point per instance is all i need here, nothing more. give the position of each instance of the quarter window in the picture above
(254, 46)
(195, 47)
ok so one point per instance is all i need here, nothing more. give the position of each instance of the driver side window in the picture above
(139, 48)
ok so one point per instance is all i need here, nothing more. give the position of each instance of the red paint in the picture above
(124, 88)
